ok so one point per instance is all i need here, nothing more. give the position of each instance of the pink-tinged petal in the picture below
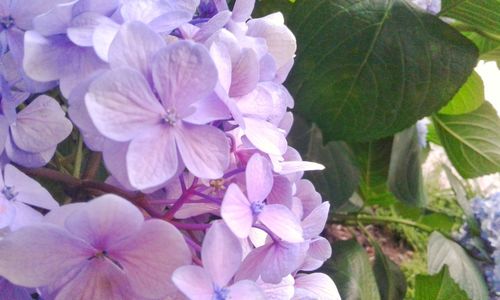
(281, 192)
(152, 158)
(105, 220)
(25, 216)
(319, 251)
(82, 28)
(122, 105)
(134, 46)
(258, 178)
(236, 211)
(5, 7)
(282, 290)
(222, 60)
(59, 215)
(242, 10)
(7, 213)
(316, 286)
(41, 125)
(54, 21)
(286, 122)
(151, 256)
(246, 290)
(102, 38)
(204, 149)
(265, 136)
(115, 161)
(28, 159)
(194, 282)
(308, 195)
(44, 252)
(258, 103)
(183, 73)
(282, 222)
(221, 253)
(208, 110)
(267, 68)
(245, 74)
(315, 222)
(99, 279)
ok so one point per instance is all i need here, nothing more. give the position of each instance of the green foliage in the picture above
(481, 14)
(438, 287)
(469, 97)
(390, 280)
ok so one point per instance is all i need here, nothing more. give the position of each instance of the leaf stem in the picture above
(78, 158)
(93, 165)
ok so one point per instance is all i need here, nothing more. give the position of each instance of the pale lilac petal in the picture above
(42, 56)
(5, 7)
(194, 282)
(204, 149)
(282, 222)
(290, 167)
(59, 215)
(28, 159)
(169, 21)
(315, 222)
(208, 110)
(25, 216)
(150, 257)
(23, 11)
(212, 26)
(190, 210)
(242, 10)
(281, 192)
(105, 220)
(282, 290)
(259, 178)
(267, 68)
(104, 8)
(246, 290)
(122, 105)
(258, 103)
(4, 132)
(41, 125)
(319, 251)
(221, 253)
(56, 20)
(317, 286)
(99, 279)
(183, 73)
(245, 74)
(15, 38)
(44, 252)
(308, 195)
(134, 46)
(7, 213)
(152, 158)
(236, 212)
(82, 28)
(102, 38)
(265, 136)
(28, 190)
(115, 161)
(222, 60)
(147, 11)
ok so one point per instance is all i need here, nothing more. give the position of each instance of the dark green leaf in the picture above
(442, 251)
(472, 141)
(265, 7)
(390, 280)
(368, 69)
(488, 49)
(469, 97)
(405, 172)
(340, 178)
(482, 14)
(438, 287)
(350, 269)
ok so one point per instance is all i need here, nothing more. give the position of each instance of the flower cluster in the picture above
(487, 214)
(185, 100)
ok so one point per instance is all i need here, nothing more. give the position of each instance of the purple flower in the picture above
(13, 292)
(221, 255)
(18, 195)
(158, 120)
(315, 286)
(104, 251)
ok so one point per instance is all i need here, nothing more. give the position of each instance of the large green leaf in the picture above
(488, 49)
(405, 171)
(368, 69)
(438, 287)
(350, 269)
(472, 140)
(390, 280)
(340, 178)
(442, 251)
(469, 97)
(482, 14)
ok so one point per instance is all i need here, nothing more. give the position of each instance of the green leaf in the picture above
(373, 160)
(340, 178)
(432, 135)
(459, 191)
(390, 280)
(472, 140)
(488, 49)
(482, 14)
(438, 287)
(442, 251)
(368, 69)
(265, 7)
(405, 172)
(469, 97)
(350, 269)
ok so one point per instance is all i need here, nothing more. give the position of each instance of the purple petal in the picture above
(208, 110)
(105, 220)
(212, 25)
(59, 215)
(82, 28)
(28, 190)
(38, 255)
(310, 198)
(28, 159)
(242, 10)
(259, 178)
(102, 38)
(183, 73)
(194, 282)
(282, 290)
(222, 60)
(134, 46)
(236, 211)
(319, 251)
(315, 286)
(169, 21)
(54, 21)
(25, 216)
(282, 222)
(122, 105)
(150, 258)
(281, 192)
(23, 11)
(7, 213)
(4, 132)
(152, 158)
(15, 39)
(147, 11)
(204, 149)
(115, 160)
(246, 290)
(14, 292)
(40, 126)
(245, 74)
(315, 222)
(105, 8)
(221, 253)
(265, 136)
